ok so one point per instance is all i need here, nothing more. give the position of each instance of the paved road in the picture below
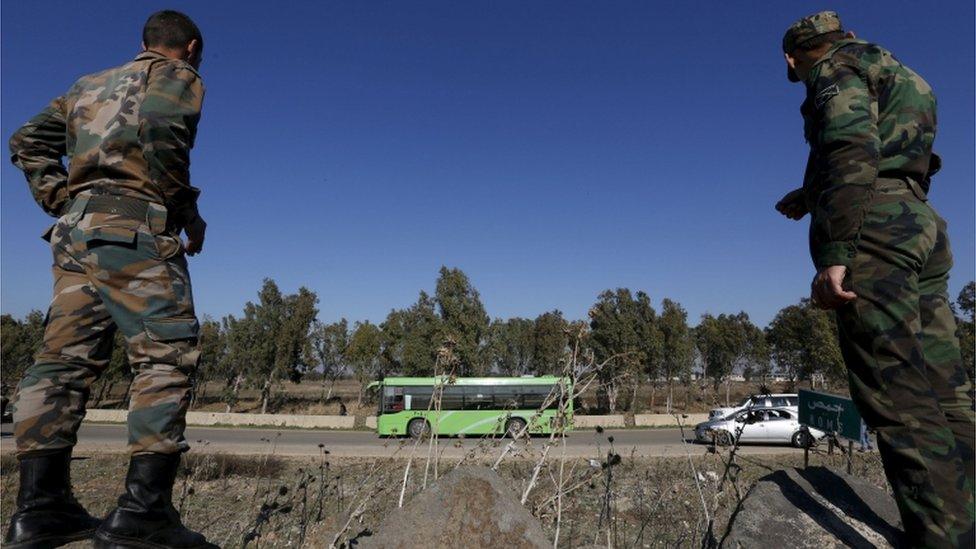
(290, 442)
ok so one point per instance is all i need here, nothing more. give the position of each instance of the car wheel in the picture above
(514, 427)
(418, 428)
(723, 438)
(802, 439)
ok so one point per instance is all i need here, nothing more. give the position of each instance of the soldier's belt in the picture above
(153, 214)
(117, 205)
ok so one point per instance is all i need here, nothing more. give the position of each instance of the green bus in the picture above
(471, 405)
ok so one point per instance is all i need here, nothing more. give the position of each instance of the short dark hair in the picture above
(817, 41)
(170, 29)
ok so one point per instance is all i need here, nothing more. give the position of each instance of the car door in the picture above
(780, 426)
(751, 423)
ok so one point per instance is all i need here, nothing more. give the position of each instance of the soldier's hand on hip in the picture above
(827, 289)
(793, 205)
(195, 232)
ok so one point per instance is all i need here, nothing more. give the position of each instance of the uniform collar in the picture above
(155, 55)
(149, 54)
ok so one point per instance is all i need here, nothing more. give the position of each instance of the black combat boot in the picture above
(145, 516)
(47, 513)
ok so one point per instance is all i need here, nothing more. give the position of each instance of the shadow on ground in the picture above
(814, 507)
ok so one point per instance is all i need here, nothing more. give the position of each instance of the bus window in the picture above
(534, 396)
(478, 397)
(452, 398)
(419, 397)
(507, 397)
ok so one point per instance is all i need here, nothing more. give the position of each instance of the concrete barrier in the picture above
(584, 422)
(274, 420)
(253, 420)
(667, 420)
(106, 416)
(349, 422)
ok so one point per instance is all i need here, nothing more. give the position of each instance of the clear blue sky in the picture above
(551, 150)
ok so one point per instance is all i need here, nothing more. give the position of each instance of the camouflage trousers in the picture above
(114, 268)
(905, 371)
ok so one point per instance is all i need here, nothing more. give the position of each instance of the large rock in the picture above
(468, 507)
(814, 507)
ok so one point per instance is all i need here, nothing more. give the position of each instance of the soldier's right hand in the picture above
(195, 231)
(793, 205)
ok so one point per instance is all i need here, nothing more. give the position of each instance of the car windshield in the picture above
(730, 416)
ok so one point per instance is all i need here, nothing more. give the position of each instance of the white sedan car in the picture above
(768, 425)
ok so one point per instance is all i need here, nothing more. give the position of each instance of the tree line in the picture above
(279, 338)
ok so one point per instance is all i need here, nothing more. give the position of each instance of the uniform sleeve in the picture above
(847, 156)
(37, 148)
(168, 126)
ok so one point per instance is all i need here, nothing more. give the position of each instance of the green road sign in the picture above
(830, 413)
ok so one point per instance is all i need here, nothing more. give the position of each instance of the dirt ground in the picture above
(308, 398)
(269, 501)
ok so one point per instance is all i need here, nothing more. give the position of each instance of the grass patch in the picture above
(8, 464)
(205, 467)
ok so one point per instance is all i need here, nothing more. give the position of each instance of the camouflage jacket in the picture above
(127, 130)
(866, 116)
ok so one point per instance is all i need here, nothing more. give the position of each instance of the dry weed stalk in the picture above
(730, 474)
(581, 376)
(270, 452)
(694, 470)
(559, 495)
(444, 355)
(372, 486)
(582, 372)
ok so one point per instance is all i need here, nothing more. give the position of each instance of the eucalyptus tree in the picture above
(464, 319)
(327, 351)
(803, 341)
(510, 346)
(550, 343)
(677, 346)
(625, 338)
(726, 341)
(363, 354)
(411, 338)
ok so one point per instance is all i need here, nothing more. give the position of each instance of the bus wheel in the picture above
(417, 428)
(514, 427)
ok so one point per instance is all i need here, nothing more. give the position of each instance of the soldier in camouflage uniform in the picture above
(882, 257)
(119, 263)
